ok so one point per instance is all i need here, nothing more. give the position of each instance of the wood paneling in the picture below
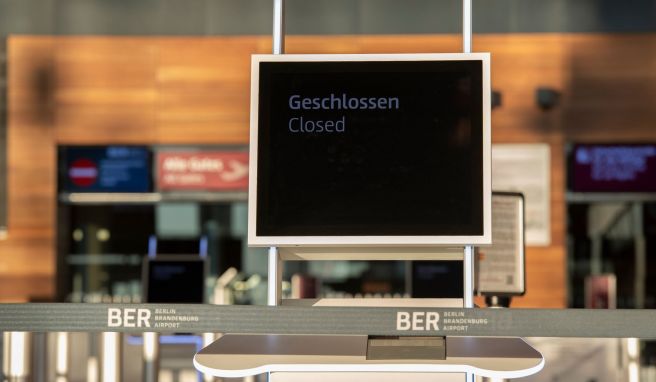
(204, 90)
(190, 90)
(27, 256)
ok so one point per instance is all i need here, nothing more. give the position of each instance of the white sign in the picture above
(500, 267)
(526, 168)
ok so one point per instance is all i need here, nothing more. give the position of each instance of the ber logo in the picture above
(417, 321)
(83, 172)
(128, 318)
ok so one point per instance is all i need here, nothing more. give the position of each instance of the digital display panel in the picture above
(613, 168)
(175, 279)
(375, 148)
(106, 169)
(437, 279)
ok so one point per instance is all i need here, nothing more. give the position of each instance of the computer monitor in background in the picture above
(174, 279)
(373, 150)
(228, 250)
(612, 168)
(436, 279)
(229, 254)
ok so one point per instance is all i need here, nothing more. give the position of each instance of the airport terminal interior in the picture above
(126, 146)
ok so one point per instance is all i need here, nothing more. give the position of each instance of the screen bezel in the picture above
(369, 241)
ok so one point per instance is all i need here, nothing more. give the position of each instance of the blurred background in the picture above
(124, 134)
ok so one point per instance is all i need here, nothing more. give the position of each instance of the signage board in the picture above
(370, 150)
(202, 170)
(174, 279)
(612, 168)
(526, 168)
(500, 267)
(105, 169)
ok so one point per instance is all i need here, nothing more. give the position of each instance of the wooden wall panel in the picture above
(105, 88)
(612, 88)
(193, 90)
(27, 256)
(204, 93)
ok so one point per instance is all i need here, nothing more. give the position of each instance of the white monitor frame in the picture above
(369, 241)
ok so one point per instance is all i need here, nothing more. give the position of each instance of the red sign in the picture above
(601, 291)
(212, 171)
(83, 172)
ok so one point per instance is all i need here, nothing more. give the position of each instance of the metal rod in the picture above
(640, 276)
(6, 351)
(278, 26)
(17, 357)
(93, 365)
(40, 370)
(62, 361)
(274, 278)
(111, 357)
(275, 265)
(468, 270)
(466, 26)
(468, 260)
(150, 357)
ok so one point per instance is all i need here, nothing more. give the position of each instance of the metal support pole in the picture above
(150, 357)
(40, 370)
(6, 342)
(632, 359)
(93, 368)
(278, 26)
(274, 290)
(111, 357)
(62, 359)
(275, 265)
(466, 26)
(468, 277)
(17, 356)
(274, 278)
(468, 299)
(468, 260)
(640, 256)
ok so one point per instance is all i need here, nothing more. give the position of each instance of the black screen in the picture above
(176, 281)
(370, 148)
(437, 279)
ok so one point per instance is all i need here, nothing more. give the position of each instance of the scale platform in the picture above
(241, 355)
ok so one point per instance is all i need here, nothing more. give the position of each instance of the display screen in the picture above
(613, 168)
(106, 169)
(370, 148)
(437, 279)
(176, 280)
